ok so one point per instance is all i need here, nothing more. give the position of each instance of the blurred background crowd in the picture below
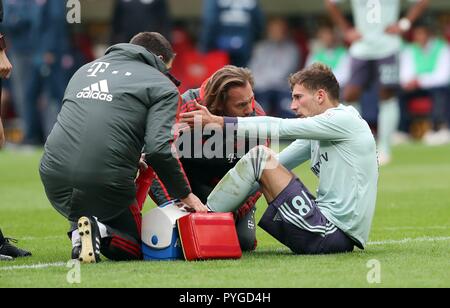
(273, 38)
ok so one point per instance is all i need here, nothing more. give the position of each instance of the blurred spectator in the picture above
(331, 52)
(82, 50)
(425, 71)
(300, 35)
(47, 73)
(232, 26)
(134, 16)
(5, 72)
(18, 28)
(274, 59)
(191, 66)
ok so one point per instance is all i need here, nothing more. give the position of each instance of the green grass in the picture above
(413, 203)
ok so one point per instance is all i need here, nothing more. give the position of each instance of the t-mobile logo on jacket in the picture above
(98, 67)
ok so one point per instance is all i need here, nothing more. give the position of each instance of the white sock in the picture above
(76, 239)
(388, 120)
(238, 183)
(103, 230)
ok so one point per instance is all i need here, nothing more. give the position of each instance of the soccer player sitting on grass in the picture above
(228, 92)
(342, 151)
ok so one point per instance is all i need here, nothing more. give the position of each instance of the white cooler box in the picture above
(160, 239)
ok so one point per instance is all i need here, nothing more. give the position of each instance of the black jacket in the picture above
(112, 109)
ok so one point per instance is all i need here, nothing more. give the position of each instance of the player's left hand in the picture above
(394, 29)
(411, 86)
(200, 116)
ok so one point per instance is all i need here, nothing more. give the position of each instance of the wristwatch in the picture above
(2, 42)
(404, 24)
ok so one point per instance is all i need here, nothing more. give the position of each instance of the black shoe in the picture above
(9, 250)
(76, 245)
(90, 240)
(76, 251)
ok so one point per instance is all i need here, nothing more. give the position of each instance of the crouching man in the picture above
(113, 108)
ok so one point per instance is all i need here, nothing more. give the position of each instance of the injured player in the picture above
(342, 151)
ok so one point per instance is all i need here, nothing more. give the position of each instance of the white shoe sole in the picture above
(87, 254)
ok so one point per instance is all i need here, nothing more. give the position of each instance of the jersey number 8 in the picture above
(300, 204)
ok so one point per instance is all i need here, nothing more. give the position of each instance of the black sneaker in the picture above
(76, 245)
(9, 250)
(76, 251)
(90, 240)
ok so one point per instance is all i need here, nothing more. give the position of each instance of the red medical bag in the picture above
(207, 236)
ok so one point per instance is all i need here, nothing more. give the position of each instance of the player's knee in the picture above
(386, 93)
(351, 94)
(261, 153)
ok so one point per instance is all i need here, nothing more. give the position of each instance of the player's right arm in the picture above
(350, 33)
(295, 154)
(333, 125)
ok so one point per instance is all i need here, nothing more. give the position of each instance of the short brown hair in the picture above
(216, 89)
(315, 77)
(156, 43)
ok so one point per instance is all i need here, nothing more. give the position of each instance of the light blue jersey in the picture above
(371, 18)
(343, 156)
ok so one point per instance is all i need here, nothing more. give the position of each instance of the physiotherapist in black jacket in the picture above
(112, 109)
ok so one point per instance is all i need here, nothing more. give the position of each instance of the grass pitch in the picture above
(409, 241)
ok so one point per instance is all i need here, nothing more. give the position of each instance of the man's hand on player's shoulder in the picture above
(201, 116)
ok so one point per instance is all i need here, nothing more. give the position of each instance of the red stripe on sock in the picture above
(126, 247)
(135, 248)
(129, 244)
(137, 217)
(119, 246)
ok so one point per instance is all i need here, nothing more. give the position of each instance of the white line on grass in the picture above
(414, 228)
(408, 240)
(33, 266)
(58, 237)
(45, 238)
(403, 241)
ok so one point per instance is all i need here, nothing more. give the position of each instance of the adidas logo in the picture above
(98, 91)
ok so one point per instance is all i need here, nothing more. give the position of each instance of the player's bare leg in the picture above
(352, 95)
(258, 166)
(274, 180)
(388, 120)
